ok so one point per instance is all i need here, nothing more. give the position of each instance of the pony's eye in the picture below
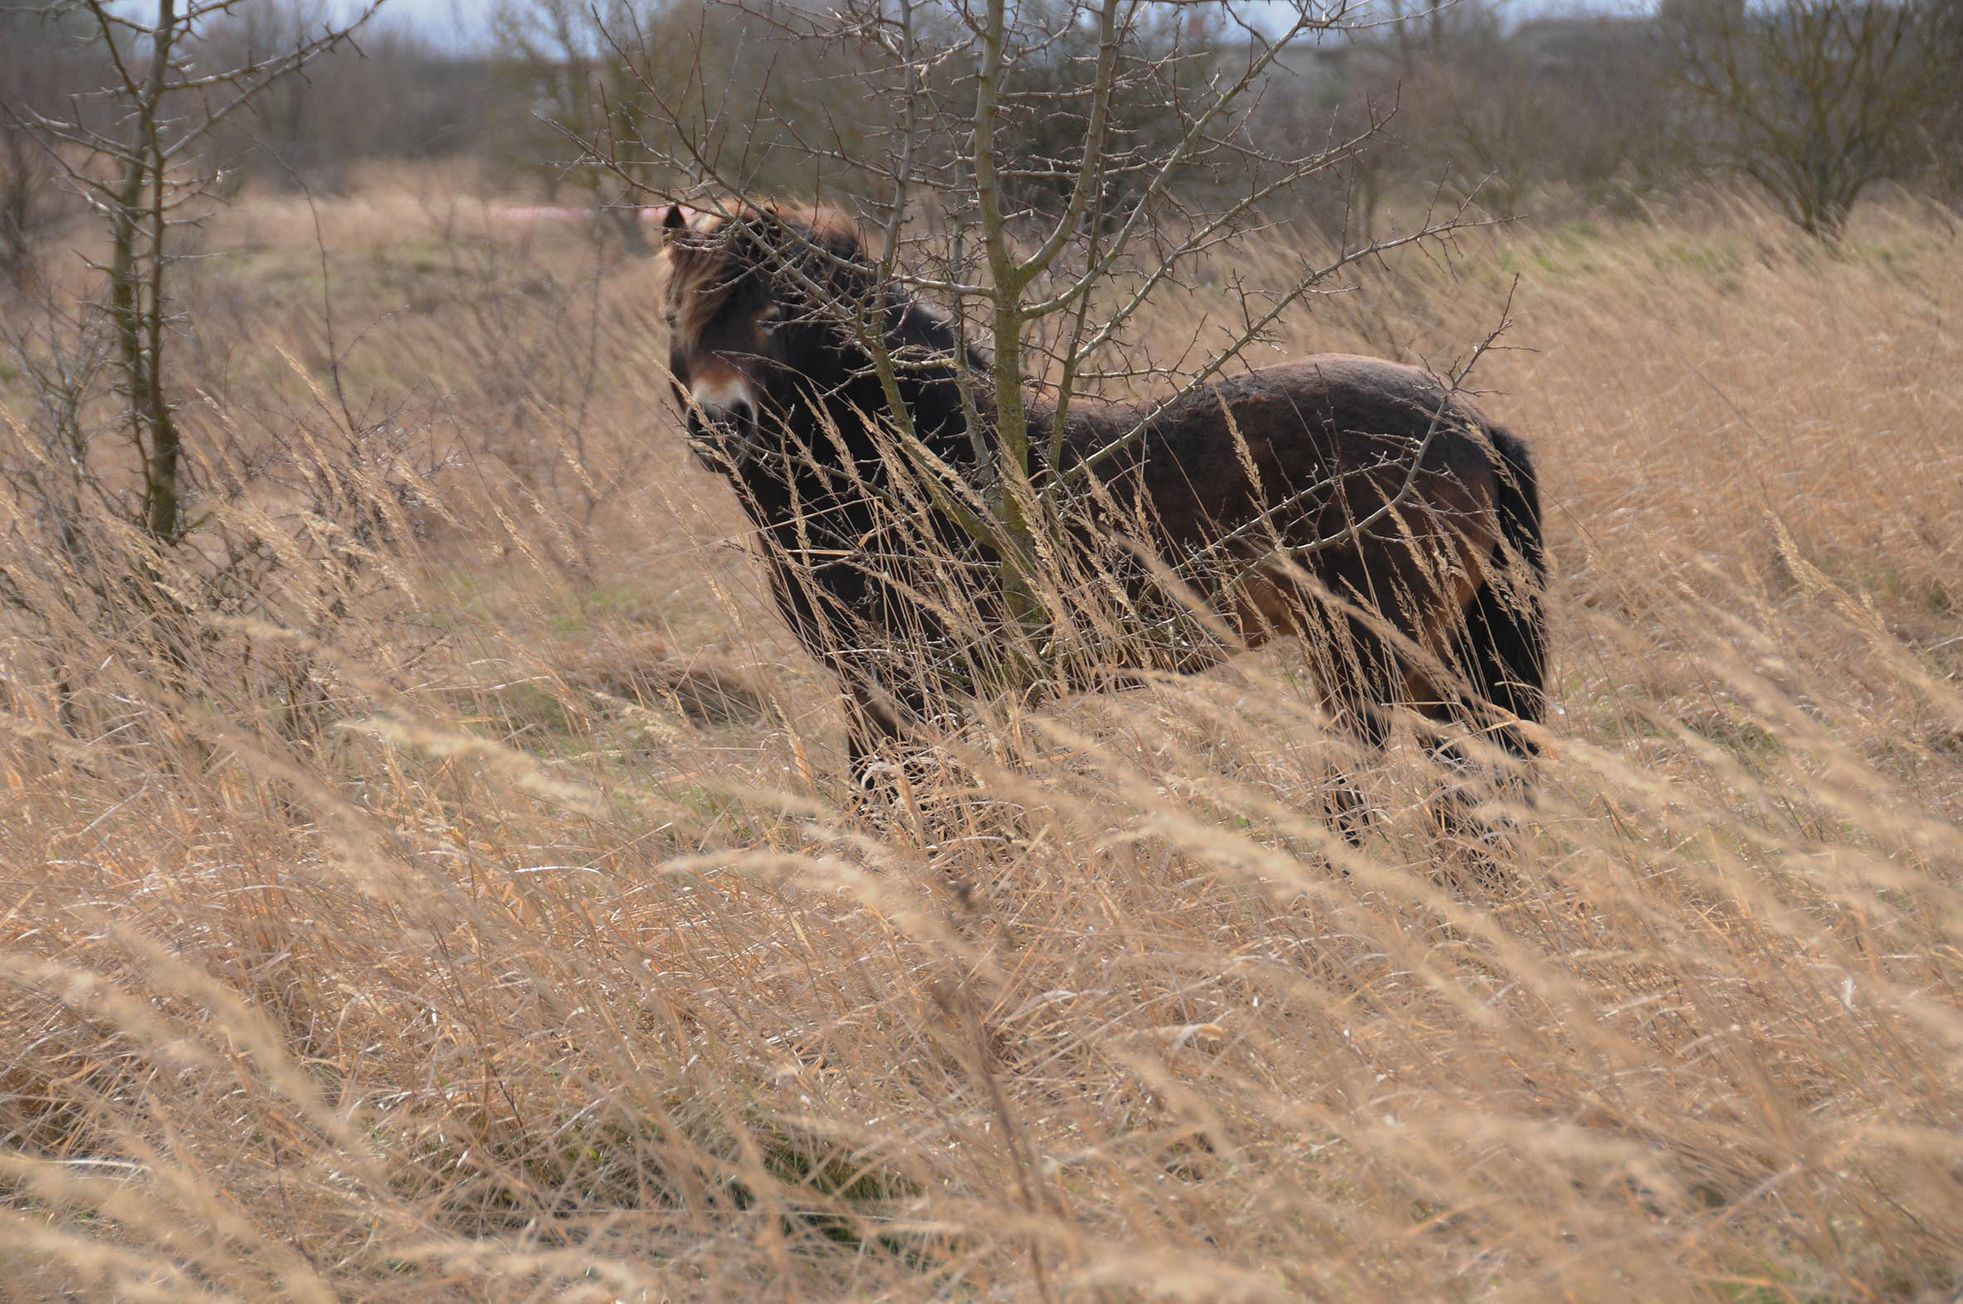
(768, 319)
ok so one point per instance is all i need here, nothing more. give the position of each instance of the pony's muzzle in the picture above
(724, 395)
(722, 419)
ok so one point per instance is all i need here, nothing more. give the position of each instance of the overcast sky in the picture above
(453, 23)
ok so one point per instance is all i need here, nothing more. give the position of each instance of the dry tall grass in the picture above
(467, 907)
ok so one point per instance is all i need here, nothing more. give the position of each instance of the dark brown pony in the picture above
(1353, 501)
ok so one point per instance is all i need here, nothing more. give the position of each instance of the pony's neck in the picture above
(939, 381)
(939, 369)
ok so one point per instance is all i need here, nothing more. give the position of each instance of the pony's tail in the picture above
(1505, 653)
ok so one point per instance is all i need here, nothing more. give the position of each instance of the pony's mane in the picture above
(708, 256)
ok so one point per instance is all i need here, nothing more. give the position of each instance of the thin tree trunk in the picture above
(139, 324)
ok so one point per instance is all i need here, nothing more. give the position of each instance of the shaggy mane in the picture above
(710, 256)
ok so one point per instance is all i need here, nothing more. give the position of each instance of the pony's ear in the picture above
(677, 217)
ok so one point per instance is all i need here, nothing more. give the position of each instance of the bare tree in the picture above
(26, 212)
(581, 69)
(134, 157)
(40, 58)
(129, 515)
(1513, 112)
(1814, 100)
(400, 95)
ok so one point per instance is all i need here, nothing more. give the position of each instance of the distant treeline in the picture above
(1815, 100)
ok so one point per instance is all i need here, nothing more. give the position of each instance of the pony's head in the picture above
(755, 297)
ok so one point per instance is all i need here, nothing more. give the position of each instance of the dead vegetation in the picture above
(473, 907)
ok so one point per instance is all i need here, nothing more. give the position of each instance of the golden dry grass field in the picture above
(461, 898)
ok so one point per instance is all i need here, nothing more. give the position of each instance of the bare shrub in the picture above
(26, 216)
(1815, 100)
(159, 549)
(41, 59)
(395, 96)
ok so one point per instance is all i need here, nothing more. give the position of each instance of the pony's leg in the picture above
(1501, 649)
(885, 778)
(1348, 809)
(1366, 679)
(866, 753)
(1353, 666)
(1465, 694)
(873, 735)
(1463, 812)
(890, 754)
(1501, 653)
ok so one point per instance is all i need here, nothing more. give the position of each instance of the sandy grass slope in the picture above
(467, 907)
